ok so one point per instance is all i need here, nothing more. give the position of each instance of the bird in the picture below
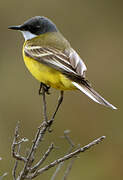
(51, 59)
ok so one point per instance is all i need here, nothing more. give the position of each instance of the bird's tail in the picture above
(91, 93)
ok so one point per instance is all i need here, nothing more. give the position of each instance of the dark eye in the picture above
(34, 29)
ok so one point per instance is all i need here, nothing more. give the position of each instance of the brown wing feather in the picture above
(67, 62)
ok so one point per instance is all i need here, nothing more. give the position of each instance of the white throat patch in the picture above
(28, 35)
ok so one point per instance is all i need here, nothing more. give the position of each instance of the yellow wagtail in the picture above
(51, 59)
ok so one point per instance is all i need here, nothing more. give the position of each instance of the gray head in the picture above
(35, 26)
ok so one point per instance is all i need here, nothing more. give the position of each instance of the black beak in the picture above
(15, 27)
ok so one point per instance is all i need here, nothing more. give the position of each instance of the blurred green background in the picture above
(95, 30)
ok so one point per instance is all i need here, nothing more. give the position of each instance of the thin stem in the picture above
(66, 136)
(30, 157)
(68, 168)
(44, 103)
(66, 157)
(34, 168)
(16, 163)
(15, 143)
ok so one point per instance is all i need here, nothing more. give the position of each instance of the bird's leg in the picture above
(60, 99)
(42, 91)
(45, 87)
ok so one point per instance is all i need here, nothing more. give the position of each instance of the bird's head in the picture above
(35, 26)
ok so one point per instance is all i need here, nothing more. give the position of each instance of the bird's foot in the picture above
(45, 88)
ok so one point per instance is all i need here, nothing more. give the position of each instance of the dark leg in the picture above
(43, 90)
(45, 87)
(57, 107)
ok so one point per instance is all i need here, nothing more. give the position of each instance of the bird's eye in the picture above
(35, 29)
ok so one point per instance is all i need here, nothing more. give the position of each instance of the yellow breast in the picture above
(48, 75)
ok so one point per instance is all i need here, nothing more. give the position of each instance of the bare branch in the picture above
(66, 136)
(15, 143)
(66, 157)
(69, 168)
(57, 170)
(34, 168)
(16, 164)
(69, 140)
(44, 104)
(31, 171)
(21, 141)
(38, 138)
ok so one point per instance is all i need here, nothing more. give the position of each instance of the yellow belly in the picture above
(47, 75)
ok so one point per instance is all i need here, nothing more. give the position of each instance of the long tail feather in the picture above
(91, 93)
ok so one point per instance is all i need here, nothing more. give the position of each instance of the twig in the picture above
(15, 154)
(16, 164)
(38, 138)
(66, 132)
(66, 157)
(31, 171)
(56, 171)
(69, 140)
(44, 104)
(34, 168)
(68, 168)
(15, 143)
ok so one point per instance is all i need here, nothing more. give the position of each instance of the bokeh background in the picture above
(95, 30)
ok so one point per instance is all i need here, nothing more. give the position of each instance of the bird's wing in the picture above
(67, 62)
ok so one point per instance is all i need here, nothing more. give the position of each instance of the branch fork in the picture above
(31, 170)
